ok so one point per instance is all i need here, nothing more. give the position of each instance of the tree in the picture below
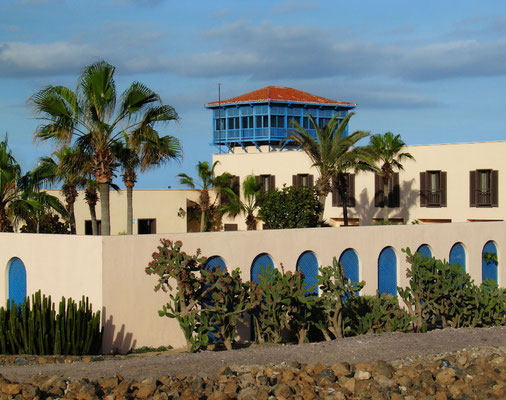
(332, 152)
(251, 191)
(50, 172)
(92, 111)
(144, 149)
(290, 207)
(19, 194)
(208, 180)
(387, 151)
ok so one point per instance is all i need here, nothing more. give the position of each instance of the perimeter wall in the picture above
(110, 270)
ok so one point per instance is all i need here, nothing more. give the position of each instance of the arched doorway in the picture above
(458, 255)
(489, 261)
(387, 271)
(308, 265)
(425, 250)
(263, 260)
(17, 281)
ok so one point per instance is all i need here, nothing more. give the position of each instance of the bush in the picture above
(375, 314)
(35, 328)
(441, 295)
(289, 207)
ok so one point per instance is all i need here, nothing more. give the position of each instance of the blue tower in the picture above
(263, 117)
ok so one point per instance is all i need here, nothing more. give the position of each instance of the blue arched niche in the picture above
(349, 259)
(387, 271)
(216, 262)
(308, 265)
(263, 260)
(489, 270)
(425, 250)
(458, 255)
(17, 280)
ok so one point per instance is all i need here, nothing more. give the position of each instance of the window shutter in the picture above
(295, 180)
(258, 179)
(472, 188)
(153, 226)
(272, 182)
(310, 180)
(378, 191)
(351, 190)
(335, 193)
(443, 191)
(423, 189)
(394, 198)
(494, 189)
(236, 185)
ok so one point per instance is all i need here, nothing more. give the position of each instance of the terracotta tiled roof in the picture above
(278, 93)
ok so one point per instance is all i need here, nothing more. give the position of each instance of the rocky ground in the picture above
(447, 364)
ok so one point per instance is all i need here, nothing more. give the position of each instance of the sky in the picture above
(431, 71)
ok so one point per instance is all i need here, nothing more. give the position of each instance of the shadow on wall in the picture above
(367, 211)
(112, 342)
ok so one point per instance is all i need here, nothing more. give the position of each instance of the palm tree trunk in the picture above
(72, 217)
(130, 207)
(322, 198)
(5, 224)
(344, 196)
(202, 219)
(93, 214)
(104, 208)
(385, 199)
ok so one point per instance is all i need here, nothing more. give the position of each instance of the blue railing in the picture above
(253, 135)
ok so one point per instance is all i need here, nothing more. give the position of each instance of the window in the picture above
(267, 182)
(433, 189)
(484, 188)
(348, 182)
(230, 227)
(146, 226)
(277, 121)
(220, 124)
(262, 121)
(233, 123)
(307, 123)
(323, 121)
(394, 195)
(88, 230)
(247, 122)
(301, 180)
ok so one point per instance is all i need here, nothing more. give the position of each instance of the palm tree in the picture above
(92, 110)
(144, 149)
(331, 153)
(50, 172)
(387, 150)
(251, 189)
(208, 180)
(19, 194)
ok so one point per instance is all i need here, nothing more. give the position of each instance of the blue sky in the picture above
(432, 71)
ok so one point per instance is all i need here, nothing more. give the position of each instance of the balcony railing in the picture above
(253, 135)
(484, 198)
(434, 198)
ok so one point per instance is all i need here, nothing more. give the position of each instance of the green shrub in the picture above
(289, 207)
(336, 291)
(35, 328)
(490, 306)
(375, 314)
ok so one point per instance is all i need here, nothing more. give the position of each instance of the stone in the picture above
(20, 361)
(328, 374)
(440, 396)
(383, 368)
(282, 391)
(341, 369)
(347, 383)
(404, 381)
(226, 371)
(446, 376)
(231, 389)
(10, 388)
(249, 393)
(318, 368)
(384, 382)
(109, 383)
(362, 375)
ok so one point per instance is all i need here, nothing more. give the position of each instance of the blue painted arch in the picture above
(458, 255)
(387, 271)
(17, 280)
(263, 260)
(308, 265)
(349, 259)
(216, 262)
(425, 250)
(489, 270)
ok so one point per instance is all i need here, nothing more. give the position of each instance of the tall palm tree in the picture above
(92, 110)
(208, 180)
(332, 152)
(144, 149)
(388, 152)
(19, 194)
(251, 189)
